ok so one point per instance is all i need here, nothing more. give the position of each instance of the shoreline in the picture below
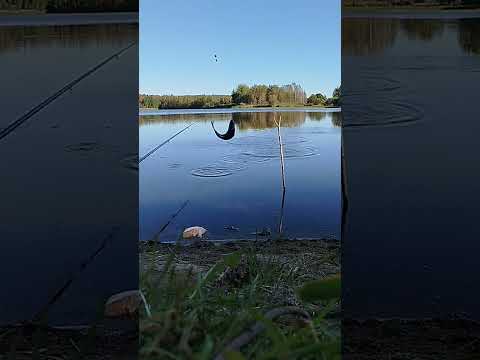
(408, 12)
(312, 259)
(151, 111)
(66, 19)
(241, 107)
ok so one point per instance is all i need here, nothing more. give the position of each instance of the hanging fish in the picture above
(229, 134)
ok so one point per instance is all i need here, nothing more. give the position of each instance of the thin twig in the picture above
(75, 345)
(248, 335)
(163, 143)
(279, 124)
(280, 225)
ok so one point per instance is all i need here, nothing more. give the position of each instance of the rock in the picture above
(125, 303)
(232, 228)
(194, 232)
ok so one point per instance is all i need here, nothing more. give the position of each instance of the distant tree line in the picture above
(286, 95)
(243, 95)
(272, 95)
(55, 6)
(184, 101)
(322, 100)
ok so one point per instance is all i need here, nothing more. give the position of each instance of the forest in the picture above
(184, 101)
(63, 6)
(243, 96)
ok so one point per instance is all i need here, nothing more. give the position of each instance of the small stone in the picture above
(194, 232)
(232, 228)
(125, 303)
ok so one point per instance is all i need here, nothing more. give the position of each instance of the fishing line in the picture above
(159, 146)
(15, 124)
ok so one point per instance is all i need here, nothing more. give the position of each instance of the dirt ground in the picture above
(312, 258)
(29, 342)
(446, 339)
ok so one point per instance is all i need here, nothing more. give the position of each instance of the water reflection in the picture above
(248, 120)
(21, 38)
(468, 35)
(366, 36)
(361, 36)
(424, 30)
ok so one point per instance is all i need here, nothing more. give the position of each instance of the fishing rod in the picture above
(15, 124)
(43, 312)
(159, 146)
(227, 136)
(155, 237)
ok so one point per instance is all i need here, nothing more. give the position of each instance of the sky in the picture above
(256, 42)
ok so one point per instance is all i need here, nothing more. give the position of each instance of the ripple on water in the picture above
(92, 147)
(388, 106)
(84, 147)
(255, 149)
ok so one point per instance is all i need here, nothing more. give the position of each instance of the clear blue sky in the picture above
(256, 42)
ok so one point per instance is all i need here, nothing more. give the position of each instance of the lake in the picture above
(234, 187)
(410, 110)
(58, 198)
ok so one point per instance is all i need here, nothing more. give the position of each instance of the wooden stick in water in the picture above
(280, 225)
(282, 161)
(279, 124)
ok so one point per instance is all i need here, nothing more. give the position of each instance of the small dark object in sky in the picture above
(215, 56)
(229, 134)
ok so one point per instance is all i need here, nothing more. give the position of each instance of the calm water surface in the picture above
(58, 198)
(410, 109)
(238, 182)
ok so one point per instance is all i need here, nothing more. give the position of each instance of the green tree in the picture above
(241, 94)
(317, 99)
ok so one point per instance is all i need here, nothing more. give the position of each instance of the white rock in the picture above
(123, 304)
(194, 232)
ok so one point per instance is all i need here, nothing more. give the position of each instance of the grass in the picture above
(250, 302)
